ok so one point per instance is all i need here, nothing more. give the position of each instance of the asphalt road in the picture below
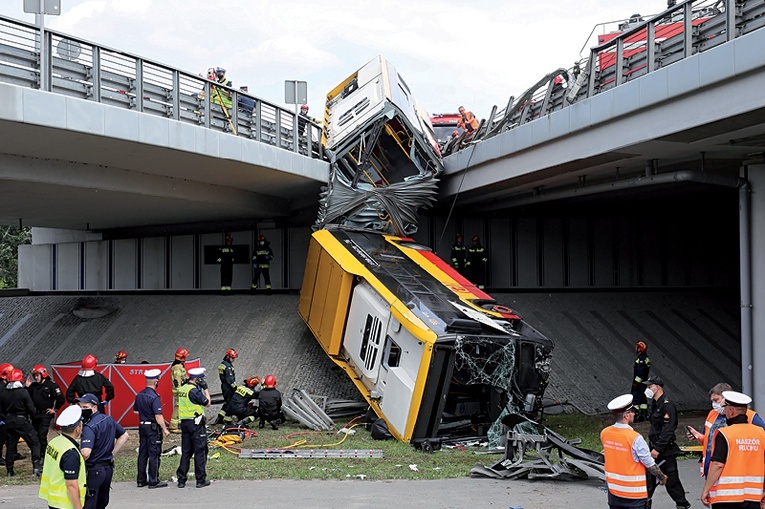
(461, 493)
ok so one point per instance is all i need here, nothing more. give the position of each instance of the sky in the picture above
(450, 53)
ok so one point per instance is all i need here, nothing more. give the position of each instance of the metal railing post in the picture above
(295, 134)
(650, 46)
(256, 118)
(207, 109)
(619, 61)
(730, 19)
(96, 74)
(687, 30)
(138, 85)
(176, 99)
(591, 66)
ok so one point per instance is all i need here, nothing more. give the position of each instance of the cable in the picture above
(459, 188)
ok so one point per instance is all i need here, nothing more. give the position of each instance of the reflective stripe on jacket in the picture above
(187, 409)
(706, 443)
(744, 469)
(625, 476)
(52, 483)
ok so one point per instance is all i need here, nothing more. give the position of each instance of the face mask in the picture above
(648, 393)
(262, 242)
(86, 413)
(718, 408)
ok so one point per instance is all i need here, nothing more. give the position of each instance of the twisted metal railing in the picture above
(78, 68)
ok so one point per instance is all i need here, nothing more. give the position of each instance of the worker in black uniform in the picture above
(243, 402)
(661, 439)
(227, 384)
(459, 255)
(270, 404)
(226, 260)
(477, 257)
(48, 398)
(89, 381)
(640, 372)
(192, 402)
(151, 429)
(261, 262)
(17, 407)
(102, 438)
(5, 370)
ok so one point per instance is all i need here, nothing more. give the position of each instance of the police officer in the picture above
(151, 429)
(227, 384)
(737, 466)
(226, 260)
(89, 381)
(661, 436)
(459, 255)
(640, 371)
(627, 458)
(261, 262)
(192, 403)
(178, 372)
(270, 403)
(63, 477)
(48, 398)
(243, 400)
(17, 407)
(102, 438)
(477, 257)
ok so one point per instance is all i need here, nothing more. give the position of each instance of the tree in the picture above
(10, 239)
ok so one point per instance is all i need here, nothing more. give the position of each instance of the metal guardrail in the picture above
(78, 68)
(637, 48)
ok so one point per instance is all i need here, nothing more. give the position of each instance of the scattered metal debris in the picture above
(310, 453)
(302, 408)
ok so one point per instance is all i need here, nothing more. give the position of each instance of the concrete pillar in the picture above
(757, 267)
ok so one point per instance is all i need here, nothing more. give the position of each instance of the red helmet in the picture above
(16, 375)
(641, 347)
(269, 382)
(252, 381)
(261, 238)
(5, 369)
(121, 356)
(89, 362)
(231, 353)
(39, 369)
(181, 354)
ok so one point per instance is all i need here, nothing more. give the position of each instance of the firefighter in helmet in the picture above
(243, 402)
(477, 258)
(48, 398)
(227, 384)
(261, 262)
(89, 381)
(640, 371)
(270, 403)
(459, 254)
(120, 357)
(178, 374)
(17, 406)
(226, 260)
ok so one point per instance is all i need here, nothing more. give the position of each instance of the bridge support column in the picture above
(756, 177)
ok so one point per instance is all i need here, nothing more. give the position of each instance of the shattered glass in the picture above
(486, 360)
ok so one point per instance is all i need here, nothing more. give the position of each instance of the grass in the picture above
(395, 464)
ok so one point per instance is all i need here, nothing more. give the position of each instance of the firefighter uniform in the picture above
(191, 410)
(178, 373)
(477, 257)
(17, 407)
(148, 406)
(240, 404)
(63, 462)
(661, 437)
(459, 255)
(640, 371)
(227, 386)
(226, 260)
(90, 382)
(45, 395)
(270, 407)
(740, 448)
(261, 262)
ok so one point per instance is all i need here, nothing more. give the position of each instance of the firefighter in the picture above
(270, 404)
(459, 255)
(18, 408)
(226, 260)
(63, 477)
(243, 402)
(90, 381)
(5, 370)
(48, 398)
(477, 257)
(661, 437)
(737, 466)
(178, 373)
(227, 384)
(261, 262)
(151, 430)
(120, 357)
(193, 400)
(627, 458)
(467, 121)
(640, 371)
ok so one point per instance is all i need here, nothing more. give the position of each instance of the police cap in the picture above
(736, 398)
(654, 380)
(70, 416)
(152, 374)
(196, 372)
(88, 398)
(621, 403)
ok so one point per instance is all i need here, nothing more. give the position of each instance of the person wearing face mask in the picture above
(261, 262)
(151, 430)
(661, 437)
(102, 438)
(716, 420)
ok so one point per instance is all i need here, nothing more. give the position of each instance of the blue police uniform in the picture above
(192, 401)
(99, 434)
(148, 405)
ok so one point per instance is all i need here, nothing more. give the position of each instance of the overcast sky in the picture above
(450, 52)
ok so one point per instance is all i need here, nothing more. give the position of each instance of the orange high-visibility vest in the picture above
(711, 418)
(744, 470)
(468, 122)
(625, 476)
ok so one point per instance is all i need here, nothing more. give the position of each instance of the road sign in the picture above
(52, 7)
(295, 92)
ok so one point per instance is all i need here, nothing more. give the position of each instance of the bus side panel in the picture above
(436, 389)
(309, 279)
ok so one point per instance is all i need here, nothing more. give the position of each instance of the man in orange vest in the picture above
(627, 459)
(467, 121)
(737, 465)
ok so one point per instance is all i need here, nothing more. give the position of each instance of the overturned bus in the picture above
(432, 354)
